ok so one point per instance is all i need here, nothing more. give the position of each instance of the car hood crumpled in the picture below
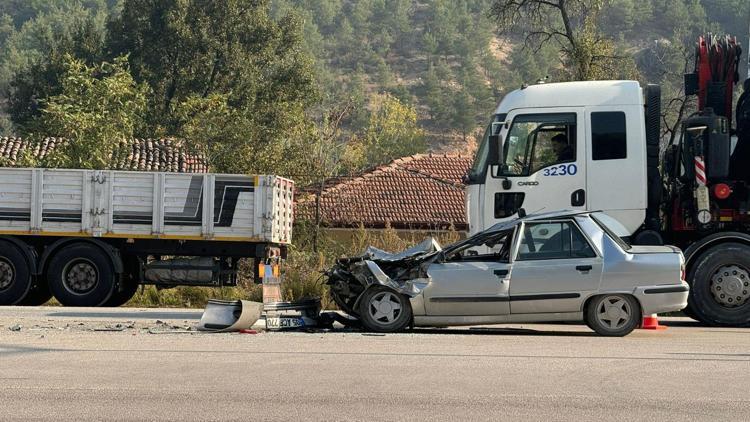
(404, 272)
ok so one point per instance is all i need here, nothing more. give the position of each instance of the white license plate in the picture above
(280, 323)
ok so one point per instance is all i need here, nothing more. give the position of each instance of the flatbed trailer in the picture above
(91, 237)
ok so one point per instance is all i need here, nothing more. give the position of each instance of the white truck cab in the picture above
(572, 145)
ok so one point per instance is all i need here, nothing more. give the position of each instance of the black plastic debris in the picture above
(298, 315)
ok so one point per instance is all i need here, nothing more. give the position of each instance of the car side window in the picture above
(553, 240)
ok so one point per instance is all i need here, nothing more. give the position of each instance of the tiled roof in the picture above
(135, 154)
(422, 191)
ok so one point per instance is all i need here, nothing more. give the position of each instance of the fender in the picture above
(111, 252)
(694, 249)
(28, 252)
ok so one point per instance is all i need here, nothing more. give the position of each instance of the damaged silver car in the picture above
(563, 266)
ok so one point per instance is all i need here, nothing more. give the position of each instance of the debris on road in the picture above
(15, 327)
(222, 316)
(299, 315)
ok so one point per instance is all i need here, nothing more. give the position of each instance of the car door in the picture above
(471, 287)
(554, 269)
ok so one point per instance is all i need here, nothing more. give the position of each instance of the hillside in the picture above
(443, 57)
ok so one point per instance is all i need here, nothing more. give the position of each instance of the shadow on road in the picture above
(128, 315)
(482, 331)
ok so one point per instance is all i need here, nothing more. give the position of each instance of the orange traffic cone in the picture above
(651, 322)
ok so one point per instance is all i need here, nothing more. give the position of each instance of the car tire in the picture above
(15, 274)
(704, 301)
(613, 315)
(38, 295)
(81, 275)
(383, 310)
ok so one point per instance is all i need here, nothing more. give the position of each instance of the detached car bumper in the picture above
(662, 298)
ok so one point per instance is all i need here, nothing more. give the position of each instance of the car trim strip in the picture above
(672, 289)
(462, 299)
(545, 296)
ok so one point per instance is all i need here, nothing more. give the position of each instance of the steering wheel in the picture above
(529, 239)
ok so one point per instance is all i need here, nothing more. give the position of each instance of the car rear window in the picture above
(611, 227)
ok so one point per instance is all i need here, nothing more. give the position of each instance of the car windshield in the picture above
(613, 228)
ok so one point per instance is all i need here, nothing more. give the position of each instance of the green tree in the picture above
(231, 48)
(98, 107)
(32, 57)
(392, 131)
(585, 52)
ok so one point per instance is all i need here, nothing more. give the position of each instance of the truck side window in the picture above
(535, 141)
(608, 135)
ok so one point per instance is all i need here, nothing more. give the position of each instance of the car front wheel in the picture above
(613, 315)
(384, 311)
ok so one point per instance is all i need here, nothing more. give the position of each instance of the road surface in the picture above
(58, 364)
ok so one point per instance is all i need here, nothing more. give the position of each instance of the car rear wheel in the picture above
(613, 315)
(384, 311)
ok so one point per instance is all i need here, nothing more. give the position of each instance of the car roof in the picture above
(535, 217)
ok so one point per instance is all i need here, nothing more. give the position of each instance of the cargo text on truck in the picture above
(91, 237)
(596, 146)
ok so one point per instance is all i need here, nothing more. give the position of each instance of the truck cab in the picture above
(553, 146)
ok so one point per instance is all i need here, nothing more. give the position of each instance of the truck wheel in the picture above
(384, 311)
(81, 275)
(613, 315)
(122, 294)
(15, 276)
(720, 285)
(38, 295)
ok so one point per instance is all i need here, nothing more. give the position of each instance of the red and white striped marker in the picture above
(700, 170)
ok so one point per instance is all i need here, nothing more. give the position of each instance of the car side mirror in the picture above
(493, 150)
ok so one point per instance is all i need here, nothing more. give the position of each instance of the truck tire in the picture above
(38, 295)
(81, 275)
(383, 310)
(720, 285)
(15, 275)
(124, 292)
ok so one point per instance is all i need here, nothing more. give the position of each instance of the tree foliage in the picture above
(98, 106)
(392, 132)
(231, 48)
(573, 25)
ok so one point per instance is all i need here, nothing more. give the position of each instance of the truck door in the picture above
(542, 164)
(616, 163)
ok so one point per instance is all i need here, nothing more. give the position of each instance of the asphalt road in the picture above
(59, 365)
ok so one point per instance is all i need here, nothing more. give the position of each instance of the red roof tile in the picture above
(135, 154)
(422, 191)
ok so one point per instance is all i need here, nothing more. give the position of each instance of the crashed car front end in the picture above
(404, 273)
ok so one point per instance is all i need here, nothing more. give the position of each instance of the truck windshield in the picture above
(479, 167)
(536, 141)
(613, 228)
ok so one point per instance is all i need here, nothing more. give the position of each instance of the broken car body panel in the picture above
(536, 268)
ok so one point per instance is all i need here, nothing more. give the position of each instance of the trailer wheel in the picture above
(15, 275)
(122, 294)
(720, 285)
(384, 311)
(38, 295)
(128, 283)
(81, 275)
